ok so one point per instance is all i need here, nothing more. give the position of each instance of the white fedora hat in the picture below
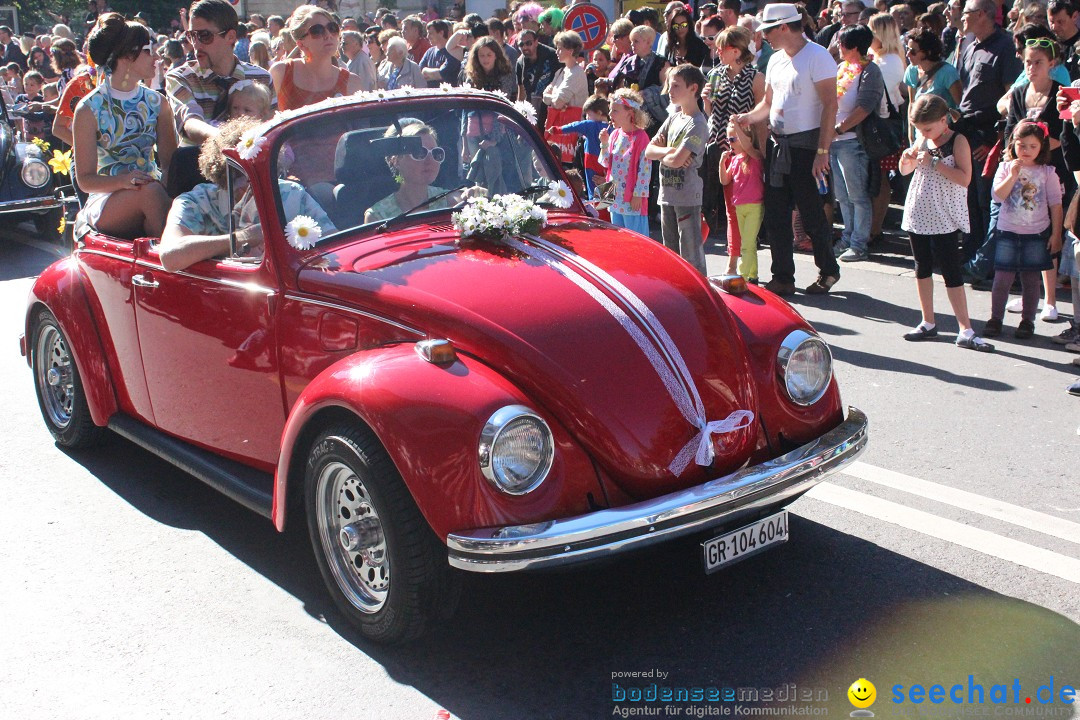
(779, 14)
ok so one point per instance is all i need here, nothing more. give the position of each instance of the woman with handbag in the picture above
(859, 88)
(888, 54)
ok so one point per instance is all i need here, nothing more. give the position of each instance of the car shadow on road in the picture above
(21, 260)
(820, 611)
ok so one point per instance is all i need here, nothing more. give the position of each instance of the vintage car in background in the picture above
(29, 189)
(431, 403)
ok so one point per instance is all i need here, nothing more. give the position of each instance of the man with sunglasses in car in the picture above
(198, 90)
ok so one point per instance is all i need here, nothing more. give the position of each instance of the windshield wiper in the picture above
(431, 200)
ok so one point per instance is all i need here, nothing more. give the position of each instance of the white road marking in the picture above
(1014, 551)
(989, 507)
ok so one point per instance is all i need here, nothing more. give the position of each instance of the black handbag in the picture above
(877, 135)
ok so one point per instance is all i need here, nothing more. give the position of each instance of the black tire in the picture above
(63, 403)
(398, 583)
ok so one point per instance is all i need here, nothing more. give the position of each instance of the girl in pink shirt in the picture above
(741, 167)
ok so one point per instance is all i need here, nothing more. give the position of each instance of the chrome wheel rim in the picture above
(55, 376)
(352, 537)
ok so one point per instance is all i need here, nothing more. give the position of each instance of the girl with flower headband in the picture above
(1029, 223)
(622, 152)
(249, 99)
(1035, 100)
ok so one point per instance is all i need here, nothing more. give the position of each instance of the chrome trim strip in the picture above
(250, 286)
(102, 253)
(29, 204)
(346, 308)
(607, 532)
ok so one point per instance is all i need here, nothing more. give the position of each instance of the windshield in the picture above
(372, 164)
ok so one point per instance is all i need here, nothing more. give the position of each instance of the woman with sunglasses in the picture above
(414, 172)
(117, 126)
(314, 76)
(683, 44)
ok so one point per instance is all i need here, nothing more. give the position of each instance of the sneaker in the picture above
(992, 328)
(822, 285)
(1049, 314)
(779, 287)
(1074, 389)
(1073, 347)
(840, 247)
(1024, 330)
(1015, 305)
(1066, 336)
(853, 255)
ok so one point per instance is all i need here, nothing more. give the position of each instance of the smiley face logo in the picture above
(862, 693)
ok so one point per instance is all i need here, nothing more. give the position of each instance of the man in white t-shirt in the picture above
(800, 105)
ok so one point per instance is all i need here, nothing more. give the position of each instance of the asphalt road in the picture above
(129, 590)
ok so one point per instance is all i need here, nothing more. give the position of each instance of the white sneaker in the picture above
(1015, 305)
(1049, 314)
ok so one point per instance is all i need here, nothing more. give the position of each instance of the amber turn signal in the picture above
(437, 352)
(733, 284)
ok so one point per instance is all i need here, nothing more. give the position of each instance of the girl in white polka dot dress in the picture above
(936, 213)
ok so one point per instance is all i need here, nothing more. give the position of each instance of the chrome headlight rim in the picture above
(791, 344)
(29, 165)
(495, 426)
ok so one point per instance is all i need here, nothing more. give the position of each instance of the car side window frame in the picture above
(235, 257)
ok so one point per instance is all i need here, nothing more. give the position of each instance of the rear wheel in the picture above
(59, 387)
(384, 568)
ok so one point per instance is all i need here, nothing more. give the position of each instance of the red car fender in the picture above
(429, 418)
(764, 321)
(60, 289)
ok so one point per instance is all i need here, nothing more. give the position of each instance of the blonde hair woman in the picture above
(312, 77)
(888, 54)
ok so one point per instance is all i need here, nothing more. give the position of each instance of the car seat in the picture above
(362, 175)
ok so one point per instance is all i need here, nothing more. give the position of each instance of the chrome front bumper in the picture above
(607, 532)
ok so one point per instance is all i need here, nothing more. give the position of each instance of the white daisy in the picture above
(559, 194)
(303, 232)
(526, 109)
(250, 145)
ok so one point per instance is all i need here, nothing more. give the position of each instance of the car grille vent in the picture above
(448, 227)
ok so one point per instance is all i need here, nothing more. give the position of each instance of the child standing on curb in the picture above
(679, 145)
(743, 169)
(935, 213)
(623, 153)
(1029, 224)
(596, 112)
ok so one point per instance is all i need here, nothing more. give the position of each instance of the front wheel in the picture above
(384, 568)
(59, 387)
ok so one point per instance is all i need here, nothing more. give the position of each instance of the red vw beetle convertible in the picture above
(433, 401)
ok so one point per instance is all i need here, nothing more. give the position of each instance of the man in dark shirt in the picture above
(535, 70)
(988, 68)
(438, 65)
(12, 52)
(1062, 16)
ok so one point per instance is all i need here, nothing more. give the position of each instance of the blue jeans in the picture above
(851, 185)
(982, 265)
(637, 223)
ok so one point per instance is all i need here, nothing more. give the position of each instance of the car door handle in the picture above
(142, 281)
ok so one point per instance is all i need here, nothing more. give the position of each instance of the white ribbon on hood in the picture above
(649, 335)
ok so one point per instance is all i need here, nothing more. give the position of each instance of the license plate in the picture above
(744, 542)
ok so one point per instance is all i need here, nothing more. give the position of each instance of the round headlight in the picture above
(805, 366)
(35, 173)
(516, 450)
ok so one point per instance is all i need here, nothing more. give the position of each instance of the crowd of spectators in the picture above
(782, 122)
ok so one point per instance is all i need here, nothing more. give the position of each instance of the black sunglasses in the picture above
(320, 30)
(204, 37)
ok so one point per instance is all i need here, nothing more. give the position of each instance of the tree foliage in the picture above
(37, 12)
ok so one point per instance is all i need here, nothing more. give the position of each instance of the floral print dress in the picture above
(618, 157)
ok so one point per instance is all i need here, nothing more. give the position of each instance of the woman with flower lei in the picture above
(198, 224)
(859, 87)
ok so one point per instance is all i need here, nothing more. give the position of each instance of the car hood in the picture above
(565, 338)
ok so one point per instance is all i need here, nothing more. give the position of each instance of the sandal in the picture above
(921, 333)
(974, 343)
(992, 328)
